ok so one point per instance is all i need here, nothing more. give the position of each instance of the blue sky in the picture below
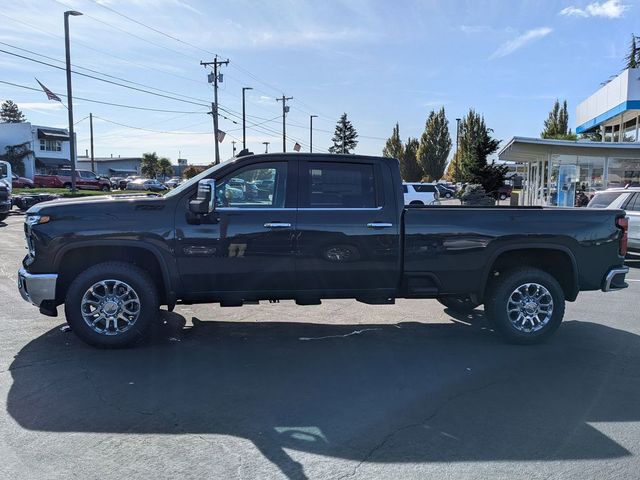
(379, 61)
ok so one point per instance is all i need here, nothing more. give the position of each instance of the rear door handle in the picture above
(277, 225)
(379, 225)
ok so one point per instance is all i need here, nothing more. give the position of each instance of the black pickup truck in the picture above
(308, 227)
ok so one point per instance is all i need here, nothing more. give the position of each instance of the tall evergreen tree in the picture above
(410, 169)
(556, 126)
(632, 60)
(476, 144)
(394, 148)
(344, 138)
(10, 113)
(435, 145)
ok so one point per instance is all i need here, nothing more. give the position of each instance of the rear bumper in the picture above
(614, 280)
(37, 288)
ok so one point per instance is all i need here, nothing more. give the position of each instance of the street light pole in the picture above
(311, 117)
(266, 147)
(244, 121)
(72, 137)
(456, 165)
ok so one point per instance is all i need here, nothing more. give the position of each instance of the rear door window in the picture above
(339, 185)
(634, 204)
(603, 200)
(425, 188)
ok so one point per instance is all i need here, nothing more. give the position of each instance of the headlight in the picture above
(36, 219)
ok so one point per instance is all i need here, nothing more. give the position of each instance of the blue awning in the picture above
(52, 162)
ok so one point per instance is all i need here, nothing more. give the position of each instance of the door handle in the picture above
(379, 225)
(277, 225)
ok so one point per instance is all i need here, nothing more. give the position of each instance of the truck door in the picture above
(348, 238)
(248, 245)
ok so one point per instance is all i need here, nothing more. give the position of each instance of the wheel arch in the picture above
(556, 260)
(78, 257)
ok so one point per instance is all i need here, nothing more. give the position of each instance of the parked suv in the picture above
(626, 199)
(420, 194)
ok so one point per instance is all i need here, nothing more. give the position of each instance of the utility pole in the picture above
(72, 137)
(285, 110)
(266, 147)
(214, 106)
(233, 143)
(344, 131)
(93, 164)
(244, 121)
(311, 117)
(456, 165)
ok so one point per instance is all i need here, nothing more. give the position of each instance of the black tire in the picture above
(105, 188)
(458, 304)
(3, 216)
(416, 202)
(132, 275)
(67, 186)
(501, 290)
(448, 195)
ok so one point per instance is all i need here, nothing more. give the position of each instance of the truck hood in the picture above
(99, 204)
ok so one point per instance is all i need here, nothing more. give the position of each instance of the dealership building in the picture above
(557, 169)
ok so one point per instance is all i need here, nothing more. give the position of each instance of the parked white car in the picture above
(420, 194)
(627, 199)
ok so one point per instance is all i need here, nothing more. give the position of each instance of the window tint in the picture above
(603, 200)
(256, 186)
(405, 189)
(425, 188)
(634, 204)
(340, 185)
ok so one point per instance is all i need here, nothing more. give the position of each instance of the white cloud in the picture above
(514, 44)
(41, 106)
(606, 9)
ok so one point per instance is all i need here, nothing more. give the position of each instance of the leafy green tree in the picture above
(15, 155)
(10, 113)
(394, 148)
(435, 145)
(410, 170)
(632, 60)
(344, 137)
(451, 173)
(556, 126)
(476, 144)
(149, 165)
(165, 168)
(190, 172)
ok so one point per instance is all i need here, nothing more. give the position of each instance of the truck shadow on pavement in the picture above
(409, 392)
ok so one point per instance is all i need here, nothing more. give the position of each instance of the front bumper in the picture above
(5, 207)
(614, 280)
(37, 287)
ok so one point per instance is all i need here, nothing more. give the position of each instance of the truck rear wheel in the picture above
(525, 305)
(111, 304)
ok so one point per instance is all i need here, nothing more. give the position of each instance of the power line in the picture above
(102, 79)
(101, 52)
(172, 132)
(133, 107)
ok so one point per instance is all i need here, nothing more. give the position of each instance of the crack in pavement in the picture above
(355, 332)
(435, 413)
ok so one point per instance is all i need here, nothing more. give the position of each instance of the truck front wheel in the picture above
(111, 304)
(525, 305)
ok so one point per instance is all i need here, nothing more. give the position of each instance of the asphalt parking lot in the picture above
(336, 391)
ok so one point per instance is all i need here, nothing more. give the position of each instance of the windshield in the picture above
(205, 174)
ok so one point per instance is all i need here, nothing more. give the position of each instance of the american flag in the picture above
(221, 136)
(50, 94)
(297, 147)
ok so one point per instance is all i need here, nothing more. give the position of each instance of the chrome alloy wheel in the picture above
(530, 307)
(110, 307)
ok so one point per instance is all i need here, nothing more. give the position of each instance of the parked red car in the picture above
(85, 179)
(21, 182)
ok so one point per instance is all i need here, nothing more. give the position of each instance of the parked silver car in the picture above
(627, 199)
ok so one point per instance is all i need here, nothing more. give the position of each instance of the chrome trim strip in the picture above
(609, 278)
(37, 287)
(379, 225)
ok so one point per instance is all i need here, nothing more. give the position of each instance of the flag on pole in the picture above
(297, 147)
(50, 94)
(221, 136)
